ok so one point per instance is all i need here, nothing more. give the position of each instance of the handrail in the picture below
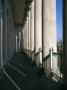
(32, 52)
(47, 61)
(37, 53)
(57, 53)
(39, 50)
(26, 50)
(46, 57)
(52, 74)
(59, 78)
(47, 64)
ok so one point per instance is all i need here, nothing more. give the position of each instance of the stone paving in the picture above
(22, 74)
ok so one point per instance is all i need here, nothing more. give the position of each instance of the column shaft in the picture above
(32, 31)
(1, 40)
(32, 26)
(0, 36)
(49, 26)
(49, 30)
(26, 36)
(38, 30)
(29, 14)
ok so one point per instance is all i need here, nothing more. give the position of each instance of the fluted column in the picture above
(32, 26)
(29, 14)
(38, 30)
(1, 36)
(25, 35)
(49, 29)
(16, 43)
(32, 30)
(6, 28)
(27, 23)
(19, 40)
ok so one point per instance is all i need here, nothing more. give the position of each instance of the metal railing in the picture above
(38, 56)
(58, 58)
(47, 64)
(28, 52)
(53, 65)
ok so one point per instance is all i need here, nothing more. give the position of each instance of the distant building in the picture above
(59, 47)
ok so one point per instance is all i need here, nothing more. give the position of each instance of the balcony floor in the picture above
(22, 74)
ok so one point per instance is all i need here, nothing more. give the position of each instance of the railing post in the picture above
(51, 51)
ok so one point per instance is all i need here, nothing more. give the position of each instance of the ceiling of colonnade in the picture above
(18, 10)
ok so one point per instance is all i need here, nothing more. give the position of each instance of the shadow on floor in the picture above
(23, 74)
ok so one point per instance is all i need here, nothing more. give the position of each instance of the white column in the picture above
(9, 38)
(23, 41)
(27, 27)
(32, 26)
(49, 29)
(29, 13)
(16, 43)
(6, 31)
(38, 29)
(1, 39)
(25, 35)
(19, 40)
(23, 38)
(0, 36)
(32, 31)
(49, 26)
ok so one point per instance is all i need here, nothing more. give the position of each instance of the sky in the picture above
(59, 20)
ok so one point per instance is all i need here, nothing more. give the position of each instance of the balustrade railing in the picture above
(47, 64)
(38, 57)
(58, 58)
(53, 65)
(28, 52)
